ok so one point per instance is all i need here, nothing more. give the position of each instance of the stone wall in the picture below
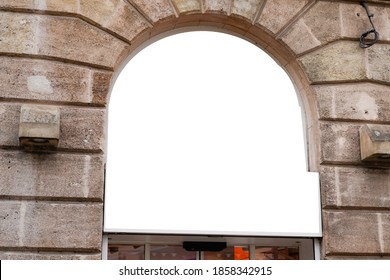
(66, 53)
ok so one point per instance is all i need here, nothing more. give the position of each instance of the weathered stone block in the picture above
(51, 176)
(187, 6)
(355, 187)
(375, 143)
(351, 232)
(39, 126)
(309, 31)
(69, 6)
(48, 256)
(53, 226)
(52, 81)
(354, 20)
(300, 38)
(360, 101)
(220, 6)
(20, 4)
(277, 13)
(101, 82)
(17, 32)
(45, 35)
(344, 61)
(384, 226)
(339, 142)
(117, 15)
(81, 128)
(378, 66)
(9, 124)
(246, 9)
(341, 61)
(156, 10)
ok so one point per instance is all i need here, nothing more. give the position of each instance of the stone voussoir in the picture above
(220, 6)
(277, 13)
(246, 9)
(119, 16)
(187, 6)
(156, 10)
(309, 32)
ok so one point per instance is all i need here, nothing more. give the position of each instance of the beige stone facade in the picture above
(66, 52)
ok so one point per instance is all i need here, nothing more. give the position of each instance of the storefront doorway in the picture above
(178, 247)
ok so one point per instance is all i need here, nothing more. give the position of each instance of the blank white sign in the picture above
(205, 137)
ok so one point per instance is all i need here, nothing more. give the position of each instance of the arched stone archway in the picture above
(66, 53)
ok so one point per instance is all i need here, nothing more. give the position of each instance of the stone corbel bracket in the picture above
(39, 127)
(375, 143)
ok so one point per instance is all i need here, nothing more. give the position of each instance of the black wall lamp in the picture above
(364, 41)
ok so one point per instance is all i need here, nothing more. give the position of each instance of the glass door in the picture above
(167, 247)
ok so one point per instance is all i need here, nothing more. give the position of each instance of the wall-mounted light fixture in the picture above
(39, 127)
(375, 143)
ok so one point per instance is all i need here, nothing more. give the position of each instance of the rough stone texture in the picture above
(101, 82)
(306, 39)
(69, 6)
(384, 225)
(46, 35)
(222, 6)
(47, 256)
(52, 81)
(346, 61)
(17, 33)
(354, 21)
(360, 101)
(155, 10)
(51, 225)
(80, 128)
(246, 9)
(341, 20)
(51, 176)
(187, 6)
(355, 187)
(353, 232)
(9, 124)
(310, 28)
(21, 4)
(378, 67)
(277, 13)
(339, 142)
(117, 15)
(341, 61)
